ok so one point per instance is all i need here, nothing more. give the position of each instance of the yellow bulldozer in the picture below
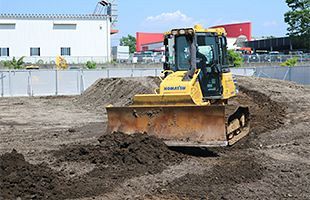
(189, 107)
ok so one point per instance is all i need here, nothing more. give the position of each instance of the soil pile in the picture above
(117, 157)
(21, 179)
(265, 113)
(116, 91)
(147, 153)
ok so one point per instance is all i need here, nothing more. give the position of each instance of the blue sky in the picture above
(161, 15)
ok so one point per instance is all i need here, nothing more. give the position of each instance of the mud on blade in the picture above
(195, 126)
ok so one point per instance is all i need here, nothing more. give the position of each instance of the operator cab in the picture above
(189, 49)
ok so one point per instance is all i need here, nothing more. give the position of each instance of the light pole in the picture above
(108, 6)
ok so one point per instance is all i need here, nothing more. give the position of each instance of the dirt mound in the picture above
(116, 157)
(122, 150)
(21, 179)
(116, 91)
(265, 114)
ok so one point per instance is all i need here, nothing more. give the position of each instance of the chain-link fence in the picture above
(74, 82)
(81, 60)
(53, 82)
(268, 58)
(51, 60)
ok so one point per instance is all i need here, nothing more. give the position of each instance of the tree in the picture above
(234, 58)
(298, 20)
(91, 65)
(290, 62)
(129, 41)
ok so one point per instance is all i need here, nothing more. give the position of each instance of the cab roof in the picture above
(199, 29)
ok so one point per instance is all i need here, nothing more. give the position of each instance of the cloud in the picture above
(166, 21)
(176, 16)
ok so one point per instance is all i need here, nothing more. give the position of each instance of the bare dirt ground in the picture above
(62, 151)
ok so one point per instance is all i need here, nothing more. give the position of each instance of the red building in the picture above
(146, 41)
(147, 38)
(237, 30)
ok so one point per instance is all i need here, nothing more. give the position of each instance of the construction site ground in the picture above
(57, 148)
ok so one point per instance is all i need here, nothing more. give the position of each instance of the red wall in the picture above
(235, 30)
(146, 38)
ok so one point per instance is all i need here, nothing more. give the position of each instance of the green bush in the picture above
(14, 64)
(290, 62)
(234, 58)
(18, 64)
(3, 63)
(91, 65)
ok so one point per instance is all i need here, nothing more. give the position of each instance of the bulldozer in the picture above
(189, 107)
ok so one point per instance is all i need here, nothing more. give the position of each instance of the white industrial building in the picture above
(120, 53)
(43, 37)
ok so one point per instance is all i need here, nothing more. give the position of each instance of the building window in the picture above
(64, 27)
(34, 51)
(65, 51)
(4, 52)
(7, 26)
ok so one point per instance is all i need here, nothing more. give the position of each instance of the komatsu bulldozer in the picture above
(189, 107)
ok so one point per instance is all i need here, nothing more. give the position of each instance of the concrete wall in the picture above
(90, 37)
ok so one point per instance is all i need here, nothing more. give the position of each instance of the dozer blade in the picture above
(192, 126)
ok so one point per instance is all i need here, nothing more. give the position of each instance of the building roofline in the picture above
(53, 16)
(148, 33)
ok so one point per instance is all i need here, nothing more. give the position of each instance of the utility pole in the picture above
(109, 9)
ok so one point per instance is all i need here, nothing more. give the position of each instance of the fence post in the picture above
(255, 71)
(56, 82)
(131, 72)
(29, 84)
(82, 82)
(108, 73)
(285, 75)
(2, 84)
(156, 72)
(10, 84)
(78, 74)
